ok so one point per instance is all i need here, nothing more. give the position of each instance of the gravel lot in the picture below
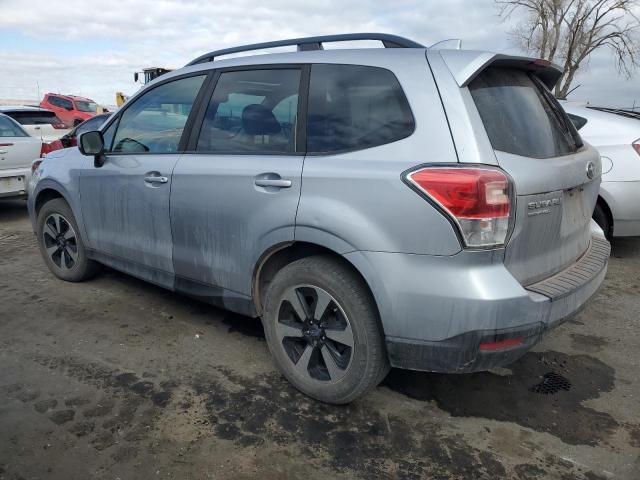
(115, 378)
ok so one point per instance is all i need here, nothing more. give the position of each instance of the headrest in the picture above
(259, 120)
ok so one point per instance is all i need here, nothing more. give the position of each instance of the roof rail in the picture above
(312, 43)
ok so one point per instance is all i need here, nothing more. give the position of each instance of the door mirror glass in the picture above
(91, 143)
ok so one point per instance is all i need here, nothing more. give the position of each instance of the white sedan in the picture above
(17, 151)
(616, 135)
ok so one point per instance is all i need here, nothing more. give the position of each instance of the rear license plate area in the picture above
(12, 184)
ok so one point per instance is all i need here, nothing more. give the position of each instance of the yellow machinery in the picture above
(145, 77)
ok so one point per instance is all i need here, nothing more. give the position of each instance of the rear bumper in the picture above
(463, 307)
(20, 189)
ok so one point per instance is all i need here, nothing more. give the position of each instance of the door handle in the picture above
(154, 179)
(273, 182)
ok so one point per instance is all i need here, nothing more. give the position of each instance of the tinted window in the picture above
(10, 129)
(86, 106)
(353, 107)
(521, 116)
(252, 112)
(60, 102)
(34, 117)
(154, 122)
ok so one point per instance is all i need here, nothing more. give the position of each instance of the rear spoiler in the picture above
(465, 65)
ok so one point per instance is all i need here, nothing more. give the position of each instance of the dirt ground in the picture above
(118, 379)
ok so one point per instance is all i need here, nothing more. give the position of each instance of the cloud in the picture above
(92, 48)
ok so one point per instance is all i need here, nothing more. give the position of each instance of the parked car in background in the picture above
(616, 135)
(441, 222)
(72, 110)
(17, 151)
(38, 122)
(94, 123)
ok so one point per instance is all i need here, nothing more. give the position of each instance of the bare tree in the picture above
(569, 31)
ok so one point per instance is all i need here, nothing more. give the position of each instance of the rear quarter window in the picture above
(355, 107)
(521, 116)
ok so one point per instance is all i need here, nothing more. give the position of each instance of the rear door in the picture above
(556, 177)
(235, 193)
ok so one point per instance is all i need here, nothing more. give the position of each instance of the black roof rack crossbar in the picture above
(312, 43)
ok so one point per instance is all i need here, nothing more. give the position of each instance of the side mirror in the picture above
(92, 143)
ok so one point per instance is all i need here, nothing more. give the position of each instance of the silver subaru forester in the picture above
(412, 207)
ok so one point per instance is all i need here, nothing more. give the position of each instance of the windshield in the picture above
(86, 106)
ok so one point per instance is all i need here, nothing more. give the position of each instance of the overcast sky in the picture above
(92, 48)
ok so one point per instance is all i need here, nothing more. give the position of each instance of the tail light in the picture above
(50, 147)
(58, 124)
(636, 146)
(478, 200)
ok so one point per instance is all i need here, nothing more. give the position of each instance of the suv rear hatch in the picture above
(42, 124)
(556, 177)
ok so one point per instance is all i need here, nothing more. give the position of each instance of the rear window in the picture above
(34, 118)
(10, 129)
(521, 116)
(354, 107)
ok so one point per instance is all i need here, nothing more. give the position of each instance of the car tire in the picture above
(60, 243)
(336, 353)
(601, 217)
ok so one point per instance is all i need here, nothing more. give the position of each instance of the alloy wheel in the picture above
(315, 333)
(60, 241)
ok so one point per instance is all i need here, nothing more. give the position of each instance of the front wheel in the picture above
(60, 243)
(323, 331)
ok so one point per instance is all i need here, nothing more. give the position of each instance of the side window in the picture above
(154, 122)
(252, 112)
(54, 101)
(64, 103)
(354, 107)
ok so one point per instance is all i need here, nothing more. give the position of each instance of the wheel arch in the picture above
(44, 195)
(278, 256)
(604, 204)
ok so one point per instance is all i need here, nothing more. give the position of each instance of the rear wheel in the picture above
(602, 218)
(323, 331)
(60, 243)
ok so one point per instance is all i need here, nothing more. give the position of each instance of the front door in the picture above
(235, 194)
(125, 203)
